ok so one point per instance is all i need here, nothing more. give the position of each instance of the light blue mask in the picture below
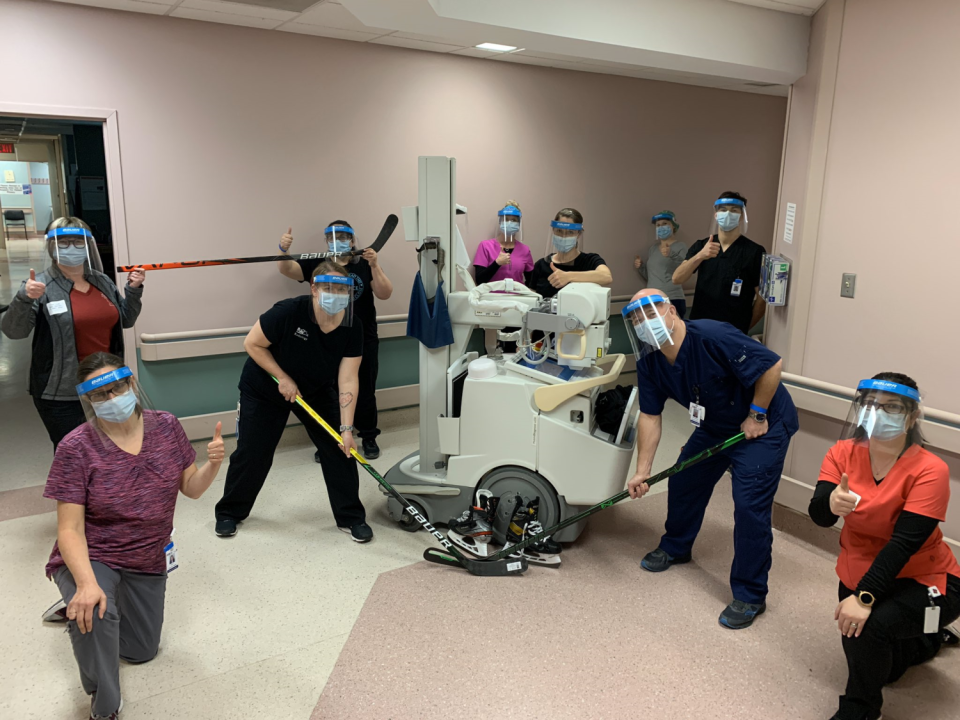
(728, 220)
(332, 303)
(653, 332)
(71, 256)
(664, 231)
(510, 227)
(564, 244)
(117, 409)
(339, 246)
(881, 425)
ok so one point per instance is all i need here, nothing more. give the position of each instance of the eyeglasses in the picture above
(104, 394)
(891, 408)
(64, 242)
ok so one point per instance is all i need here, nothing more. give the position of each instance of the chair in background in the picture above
(15, 217)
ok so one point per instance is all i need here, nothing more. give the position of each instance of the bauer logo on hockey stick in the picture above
(428, 527)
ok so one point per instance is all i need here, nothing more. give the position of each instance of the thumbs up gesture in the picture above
(287, 240)
(558, 278)
(842, 501)
(215, 452)
(637, 262)
(33, 288)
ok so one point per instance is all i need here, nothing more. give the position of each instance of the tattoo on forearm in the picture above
(346, 399)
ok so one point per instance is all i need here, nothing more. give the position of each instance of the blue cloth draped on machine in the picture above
(428, 319)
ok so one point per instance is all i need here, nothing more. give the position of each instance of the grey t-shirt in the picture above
(658, 270)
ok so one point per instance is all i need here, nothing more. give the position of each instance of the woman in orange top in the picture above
(899, 582)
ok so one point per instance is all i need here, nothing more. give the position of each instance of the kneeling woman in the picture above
(899, 581)
(312, 345)
(115, 479)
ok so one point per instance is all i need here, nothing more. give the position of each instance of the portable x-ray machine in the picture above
(524, 422)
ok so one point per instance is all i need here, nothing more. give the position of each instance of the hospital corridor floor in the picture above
(289, 620)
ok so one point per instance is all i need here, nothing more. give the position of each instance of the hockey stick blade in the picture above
(389, 225)
(482, 568)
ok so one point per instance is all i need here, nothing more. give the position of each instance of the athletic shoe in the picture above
(472, 531)
(548, 544)
(360, 533)
(659, 560)
(739, 615)
(111, 716)
(371, 451)
(56, 612)
(316, 456)
(869, 715)
(226, 527)
(950, 635)
(523, 527)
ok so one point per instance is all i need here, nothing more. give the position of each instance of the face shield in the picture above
(565, 239)
(649, 324)
(333, 295)
(729, 214)
(884, 415)
(112, 397)
(665, 226)
(72, 247)
(510, 225)
(340, 239)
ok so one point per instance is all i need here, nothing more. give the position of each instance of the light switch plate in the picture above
(849, 285)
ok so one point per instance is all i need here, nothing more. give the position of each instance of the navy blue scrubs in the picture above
(717, 367)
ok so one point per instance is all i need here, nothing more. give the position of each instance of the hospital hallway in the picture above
(332, 629)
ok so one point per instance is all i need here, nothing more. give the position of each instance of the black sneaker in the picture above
(316, 456)
(358, 533)
(869, 715)
(371, 451)
(659, 560)
(226, 527)
(739, 615)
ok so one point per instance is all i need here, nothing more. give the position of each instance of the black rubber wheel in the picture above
(408, 522)
(529, 484)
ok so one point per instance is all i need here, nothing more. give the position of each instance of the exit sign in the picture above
(6, 148)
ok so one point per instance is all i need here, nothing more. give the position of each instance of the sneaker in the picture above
(111, 716)
(56, 612)
(361, 533)
(659, 560)
(371, 451)
(316, 456)
(869, 715)
(950, 635)
(226, 527)
(739, 615)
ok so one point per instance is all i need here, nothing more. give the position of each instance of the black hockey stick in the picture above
(505, 566)
(622, 495)
(385, 232)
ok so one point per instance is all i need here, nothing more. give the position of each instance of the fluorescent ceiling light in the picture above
(493, 47)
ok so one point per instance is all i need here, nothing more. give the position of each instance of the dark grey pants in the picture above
(130, 629)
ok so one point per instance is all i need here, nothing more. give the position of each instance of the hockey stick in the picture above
(456, 558)
(622, 495)
(385, 232)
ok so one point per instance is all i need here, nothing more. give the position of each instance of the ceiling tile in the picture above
(336, 16)
(225, 18)
(477, 53)
(415, 44)
(154, 8)
(317, 30)
(523, 59)
(546, 55)
(297, 6)
(231, 8)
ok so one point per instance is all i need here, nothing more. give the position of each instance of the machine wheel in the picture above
(408, 522)
(529, 484)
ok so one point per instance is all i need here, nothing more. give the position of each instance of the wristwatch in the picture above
(758, 413)
(866, 598)
(346, 428)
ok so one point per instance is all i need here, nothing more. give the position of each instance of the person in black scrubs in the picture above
(728, 266)
(369, 280)
(565, 261)
(312, 345)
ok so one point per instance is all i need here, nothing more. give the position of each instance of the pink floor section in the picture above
(601, 638)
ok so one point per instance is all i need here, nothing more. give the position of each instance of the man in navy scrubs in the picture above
(730, 383)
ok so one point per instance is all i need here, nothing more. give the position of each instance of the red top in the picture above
(919, 483)
(128, 499)
(94, 317)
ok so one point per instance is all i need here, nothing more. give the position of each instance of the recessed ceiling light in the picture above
(493, 47)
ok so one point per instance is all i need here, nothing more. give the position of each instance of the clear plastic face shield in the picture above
(72, 247)
(340, 239)
(510, 225)
(649, 324)
(885, 415)
(333, 296)
(729, 215)
(565, 239)
(665, 226)
(112, 397)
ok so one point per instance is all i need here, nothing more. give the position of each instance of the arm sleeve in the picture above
(930, 493)
(649, 395)
(678, 252)
(67, 479)
(129, 303)
(909, 534)
(272, 322)
(642, 270)
(354, 346)
(528, 279)
(593, 262)
(752, 279)
(306, 267)
(746, 358)
(533, 277)
(819, 508)
(695, 248)
(21, 316)
(485, 274)
(188, 456)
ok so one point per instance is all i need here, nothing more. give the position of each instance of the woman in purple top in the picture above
(115, 479)
(504, 256)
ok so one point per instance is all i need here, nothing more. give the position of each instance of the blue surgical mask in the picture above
(117, 409)
(653, 330)
(332, 303)
(881, 425)
(564, 244)
(71, 256)
(339, 246)
(664, 231)
(510, 227)
(728, 220)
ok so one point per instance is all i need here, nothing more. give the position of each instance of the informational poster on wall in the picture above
(789, 222)
(93, 193)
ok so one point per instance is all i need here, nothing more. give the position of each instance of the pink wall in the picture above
(228, 135)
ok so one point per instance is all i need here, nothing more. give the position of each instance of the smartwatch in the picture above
(866, 598)
(346, 428)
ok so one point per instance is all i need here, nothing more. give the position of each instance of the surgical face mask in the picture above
(117, 409)
(653, 332)
(339, 246)
(664, 231)
(728, 220)
(510, 228)
(881, 425)
(71, 256)
(564, 244)
(332, 303)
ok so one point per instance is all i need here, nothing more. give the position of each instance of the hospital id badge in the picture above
(171, 554)
(931, 614)
(736, 288)
(698, 414)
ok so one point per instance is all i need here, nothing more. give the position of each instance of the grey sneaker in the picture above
(659, 560)
(739, 615)
(111, 716)
(56, 612)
